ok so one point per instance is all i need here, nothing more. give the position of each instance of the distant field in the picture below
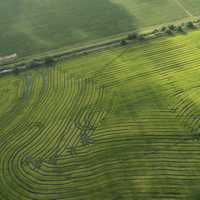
(122, 124)
(34, 26)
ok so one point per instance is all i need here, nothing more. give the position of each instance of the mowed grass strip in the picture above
(117, 124)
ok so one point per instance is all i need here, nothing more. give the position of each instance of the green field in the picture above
(35, 26)
(121, 124)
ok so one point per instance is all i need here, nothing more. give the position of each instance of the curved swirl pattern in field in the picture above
(120, 124)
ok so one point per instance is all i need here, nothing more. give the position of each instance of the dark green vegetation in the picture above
(34, 26)
(122, 124)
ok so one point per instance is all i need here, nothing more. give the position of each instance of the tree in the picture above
(190, 25)
(180, 29)
(155, 31)
(163, 28)
(123, 42)
(141, 38)
(168, 31)
(48, 60)
(34, 64)
(172, 27)
(132, 36)
(16, 70)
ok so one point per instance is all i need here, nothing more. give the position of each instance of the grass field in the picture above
(121, 124)
(31, 27)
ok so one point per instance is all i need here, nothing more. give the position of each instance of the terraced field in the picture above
(31, 27)
(121, 124)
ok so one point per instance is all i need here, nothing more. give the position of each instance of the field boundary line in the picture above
(25, 62)
(101, 42)
(183, 8)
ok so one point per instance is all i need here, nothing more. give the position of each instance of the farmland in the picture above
(32, 27)
(120, 124)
